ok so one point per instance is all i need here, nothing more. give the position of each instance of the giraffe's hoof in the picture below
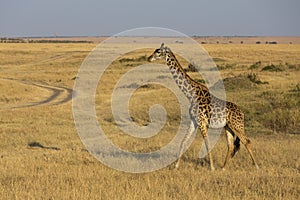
(177, 165)
(223, 169)
(212, 168)
(257, 167)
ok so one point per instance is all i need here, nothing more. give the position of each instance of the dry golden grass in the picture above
(70, 172)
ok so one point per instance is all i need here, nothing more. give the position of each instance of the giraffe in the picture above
(203, 113)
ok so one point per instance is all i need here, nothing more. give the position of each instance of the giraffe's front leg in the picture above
(203, 129)
(186, 138)
(209, 153)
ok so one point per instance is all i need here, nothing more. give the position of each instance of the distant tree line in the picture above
(241, 42)
(11, 40)
(21, 40)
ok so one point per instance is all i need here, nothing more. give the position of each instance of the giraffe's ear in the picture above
(166, 49)
(162, 45)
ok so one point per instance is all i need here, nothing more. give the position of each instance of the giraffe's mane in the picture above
(181, 68)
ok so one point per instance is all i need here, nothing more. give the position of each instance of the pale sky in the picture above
(23, 18)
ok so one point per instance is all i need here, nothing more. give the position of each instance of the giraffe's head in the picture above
(159, 53)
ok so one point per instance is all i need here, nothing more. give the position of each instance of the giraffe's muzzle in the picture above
(150, 58)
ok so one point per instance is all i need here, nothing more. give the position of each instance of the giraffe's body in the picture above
(206, 109)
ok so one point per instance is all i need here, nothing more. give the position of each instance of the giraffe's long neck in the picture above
(183, 80)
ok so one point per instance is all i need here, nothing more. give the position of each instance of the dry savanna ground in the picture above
(42, 156)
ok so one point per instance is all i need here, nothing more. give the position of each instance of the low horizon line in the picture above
(87, 36)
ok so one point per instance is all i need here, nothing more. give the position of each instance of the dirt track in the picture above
(58, 95)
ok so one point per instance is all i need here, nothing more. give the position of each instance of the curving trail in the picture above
(57, 95)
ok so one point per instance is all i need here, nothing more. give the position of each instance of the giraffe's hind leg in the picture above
(230, 143)
(246, 142)
(249, 149)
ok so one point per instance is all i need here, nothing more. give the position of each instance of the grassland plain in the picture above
(42, 157)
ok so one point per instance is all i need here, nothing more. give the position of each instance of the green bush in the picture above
(254, 78)
(255, 65)
(272, 68)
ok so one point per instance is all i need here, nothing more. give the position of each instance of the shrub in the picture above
(293, 66)
(138, 59)
(273, 42)
(272, 68)
(35, 144)
(240, 82)
(227, 66)
(141, 58)
(255, 65)
(254, 78)
(200, 81)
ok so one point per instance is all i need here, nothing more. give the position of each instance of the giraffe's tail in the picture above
(237, 146)
(239, 137)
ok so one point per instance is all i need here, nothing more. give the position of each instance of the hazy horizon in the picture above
(95, 36)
